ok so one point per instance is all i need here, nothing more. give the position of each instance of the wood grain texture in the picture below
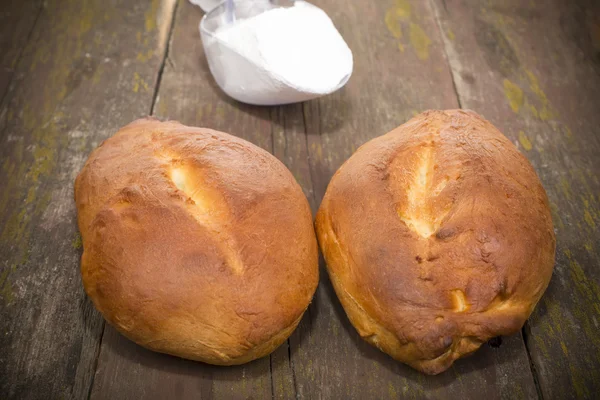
(533, 69)
(17, 19)
(400, 70)
(87, 69)
(84, 68)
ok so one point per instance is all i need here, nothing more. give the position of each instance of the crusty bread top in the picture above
(437, 236)
(196, 243)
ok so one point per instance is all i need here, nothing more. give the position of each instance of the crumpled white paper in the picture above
(268, 58)
(206, 5)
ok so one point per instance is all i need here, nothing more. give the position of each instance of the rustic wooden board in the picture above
(87, 68)
(400, 70)
(73, 72)
(17, 19)
(533, 69)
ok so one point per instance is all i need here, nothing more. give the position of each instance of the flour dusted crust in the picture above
(437, 237)
(196, 243)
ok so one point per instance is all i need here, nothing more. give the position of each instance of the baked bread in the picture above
(195, 243)
(437, 238)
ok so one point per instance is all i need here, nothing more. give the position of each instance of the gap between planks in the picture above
(165, 56)
(446, 46)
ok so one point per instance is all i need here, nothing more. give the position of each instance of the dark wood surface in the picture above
(72, 72)
(17, 19)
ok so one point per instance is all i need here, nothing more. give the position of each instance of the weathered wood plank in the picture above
(400, 70)
(87, 69)
(290, 146)
(17, 19)
(188, 94)
(533, 69)
(128, 371)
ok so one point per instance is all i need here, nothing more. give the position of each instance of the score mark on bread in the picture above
(417, 213)
(459, 300)
(208, 208)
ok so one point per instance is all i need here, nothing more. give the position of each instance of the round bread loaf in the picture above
(195, 243)
(437, 237)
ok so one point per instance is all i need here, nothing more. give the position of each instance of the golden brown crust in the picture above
(196, 243)
(437, 237)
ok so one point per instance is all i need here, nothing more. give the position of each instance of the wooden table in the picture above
(72, 72)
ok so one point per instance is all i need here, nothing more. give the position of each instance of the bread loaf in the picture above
(437, 237)
(195, 243)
